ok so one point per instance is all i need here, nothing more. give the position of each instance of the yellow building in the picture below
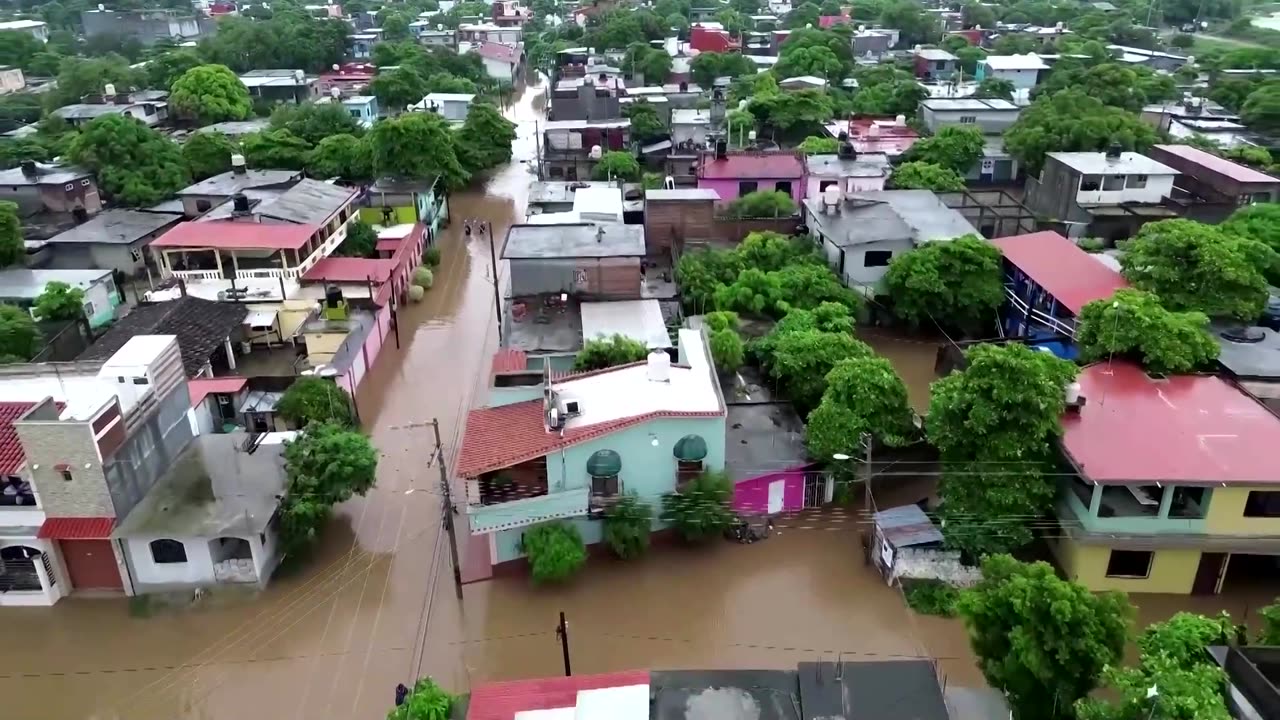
(1178, 486)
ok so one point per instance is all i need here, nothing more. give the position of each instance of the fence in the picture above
(727, 229)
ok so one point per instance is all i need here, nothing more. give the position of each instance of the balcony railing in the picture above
(1061, 327)
(197, 274)
(268, 273)
(521, 513)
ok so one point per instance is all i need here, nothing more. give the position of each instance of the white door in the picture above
(776, 489)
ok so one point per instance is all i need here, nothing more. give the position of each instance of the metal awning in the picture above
(261, 319)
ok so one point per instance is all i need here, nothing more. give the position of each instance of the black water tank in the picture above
(240, 203)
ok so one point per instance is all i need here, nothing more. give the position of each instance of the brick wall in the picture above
(49, 444)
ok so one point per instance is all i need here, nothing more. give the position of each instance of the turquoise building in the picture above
(550, 447)
(21, 287)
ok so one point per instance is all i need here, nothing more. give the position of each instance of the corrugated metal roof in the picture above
(906, 526)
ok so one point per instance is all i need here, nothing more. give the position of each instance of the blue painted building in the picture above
(564, 448)
(1048, 279)
(363, 108)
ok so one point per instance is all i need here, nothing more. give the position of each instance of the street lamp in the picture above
(482, 228)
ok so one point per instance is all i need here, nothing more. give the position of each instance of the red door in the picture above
(91, 564)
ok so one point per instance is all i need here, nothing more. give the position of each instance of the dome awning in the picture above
(604, 463)
(690, 448)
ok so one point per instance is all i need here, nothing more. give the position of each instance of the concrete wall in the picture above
(1225, 515)
(597, 277)
(990, 122)
(850, 263)
(814, 183)
(752, 495)
(48, 444)
(322, 346)
(197, 570)
(728, 189)
(1172, 571)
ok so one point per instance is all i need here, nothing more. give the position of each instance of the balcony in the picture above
(521, 513)
(1037, 316)
(1137, 509)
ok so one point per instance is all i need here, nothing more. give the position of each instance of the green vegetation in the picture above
(426, 701)
(763, 204)
(19, 338)
(555, 551)
(931, 597)
(627, 524)
(957, 283)
(1133, 324)
(59, 303)
(315, 400)
(601, 353)
(700, 510)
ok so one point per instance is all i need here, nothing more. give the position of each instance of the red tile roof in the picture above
(502, 700)
(1060, 267)
(233, 235)
(200, 388)
(498, 51)
(77, 528)
(1222, 166)
(350, 269)
(762, 165)
(12, 457)
(509, 360)
(1191, 429)
(500, 437)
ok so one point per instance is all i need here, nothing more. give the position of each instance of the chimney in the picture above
(237, 164)
(1114, 150)
(29, 169)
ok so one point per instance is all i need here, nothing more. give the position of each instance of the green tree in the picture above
(17, 47)
(1134, 325)
(164, 69)
(803, 16)
(958, 283)
(864, 395)
(1110, 83)
(416, 146)
(395, 26)
(600, 353)
(968, 58)
(1269, 634)
(915, 25)
(1192, 266)
(19, 338)
(817, 61)
(316, 400)
(301, 520)
(136, 166)
(208, 153)
(399, 88)
(361, 241)
(652, 63)
(210, 94)
(995, 88)
(1261, 110)
(288, 39)
(645, 123)
(617, 164)
(955, 148)
(627, 524)
(78, 77)
(275, 149)
(484, 140)
(330, 463)
(555, 551)
(926, 176)
(700, 510)
(1260, 221)
(701, 272)
(12, 248)
(426, 701)
(792, 111)
(763, 204)
(315, 122)
(341, 156)
(801, 360)
(1041, 640)
(727, 350)
(1072, 121)
(814, 145)
(443, 82)
(975, 14)
(706, 67)
(59, 303)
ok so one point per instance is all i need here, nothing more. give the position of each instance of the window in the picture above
(168, 552)
(876, 258)
(1088, 183)
(84, 183)
(1136, 181)
(139, 381)
(1262, 503)
(88, 308)
(69, 187)
(747, 186)
(968, 119)
(783, 186)
(355, 114)
(824, 184)
(203, 205)
(1113, 182)
(1129, 563)
(940, 65)
(66, 473)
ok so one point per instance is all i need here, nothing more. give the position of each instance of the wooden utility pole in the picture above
(448, 509)
(562, 632)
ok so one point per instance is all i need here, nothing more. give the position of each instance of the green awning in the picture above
(691, 448)
(604, 463)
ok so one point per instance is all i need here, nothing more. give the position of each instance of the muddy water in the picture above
(377, 604)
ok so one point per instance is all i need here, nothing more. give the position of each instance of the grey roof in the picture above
(887, 690)
(724, 695)
(536, 242)
(310, 201)
(236, 128)
(213, 488)
(201, 326)
(229, 183)
(864, 165)
(117, 227)
(934, 54)
(983, 104)
(27, 284)
(1260, 360)
(45, 175)
(86, 111)
(682, 194)
(559, 191)
(1097, 163)
(915, 215)
(906, 526)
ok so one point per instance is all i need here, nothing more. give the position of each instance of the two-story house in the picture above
(990, 116)
(1108, 195)
(362, 108)
(471, 34)
(935, 64)
(281, 86)
(147, 26)
(549, 447)
(1218, 179)
(38, 188)
(1047, 280)
(571, 148)
(847, 170)
(1175, 488)
(1022, 71)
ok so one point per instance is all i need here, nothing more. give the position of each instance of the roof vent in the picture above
(1244, 335)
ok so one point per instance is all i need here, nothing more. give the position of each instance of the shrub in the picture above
(427, 701)
(1091, 244)
(931, 597)
(555, 551)
(416, 293)
(626, 527)
(727, 351)
(600, 353)
(763, 204)
(431, 256)
(424, 278)
(315, 400)
(721, 320)
(701, 510)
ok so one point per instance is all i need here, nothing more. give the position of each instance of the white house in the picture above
(502, 61)
(39, 30)
(451, 106)
(850, 172)
(690, 125)
(1021, 70)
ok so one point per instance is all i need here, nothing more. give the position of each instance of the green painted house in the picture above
(21, 287)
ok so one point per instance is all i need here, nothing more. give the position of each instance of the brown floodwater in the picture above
(376, 606)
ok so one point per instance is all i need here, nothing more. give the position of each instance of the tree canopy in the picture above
(706, 67)
(19, 338)
(342, 156)
(600, 353)
(617, 164)
(863, 395)
(208, 153)
(484, 140)
(210, 94)
(1072, 121)
(416, 146)
(1192, 266)
(1262, 108)
(1134, 325)
(312, 400)
(59, 303)
(315, 122)
(399, 88)
(953, 147)
(136, 166)
(331, 463)
(926, 176)
(957, 283)
(275, 149)
(290, 38)
(12, 248)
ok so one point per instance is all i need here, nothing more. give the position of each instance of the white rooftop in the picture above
(21, 24)
(808, 80)
(395, 232)
(1030, 61)
(628, 392)
(1097, 163)
(690, 116)
(627, 702)
(944, 104)
(640, 320)
(449, 97)
(934, 54)
(598, 203)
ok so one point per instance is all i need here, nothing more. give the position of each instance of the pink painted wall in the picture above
(728, 189)
(752, 495)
